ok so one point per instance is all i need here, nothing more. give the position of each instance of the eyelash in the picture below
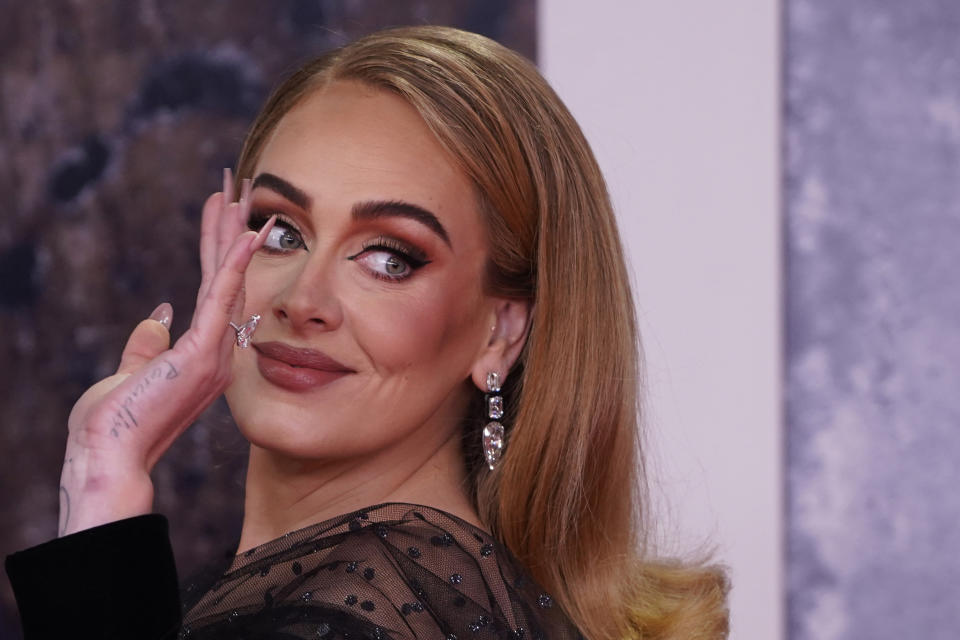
(412, 256)
(260, 218)
(415, 258)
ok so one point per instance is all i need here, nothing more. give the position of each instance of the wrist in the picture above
(92, 497)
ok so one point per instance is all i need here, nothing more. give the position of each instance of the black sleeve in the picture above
(117, 580)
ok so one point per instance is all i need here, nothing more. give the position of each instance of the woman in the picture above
(442, 367)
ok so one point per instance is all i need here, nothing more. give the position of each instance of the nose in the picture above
(309, 302)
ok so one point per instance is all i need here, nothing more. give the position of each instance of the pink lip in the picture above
(296, 368)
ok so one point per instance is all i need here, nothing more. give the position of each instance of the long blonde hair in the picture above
(568, 498)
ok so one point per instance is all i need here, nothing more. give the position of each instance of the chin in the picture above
(283, 431)
(295, 432)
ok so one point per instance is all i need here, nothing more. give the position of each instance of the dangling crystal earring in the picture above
(493, 432)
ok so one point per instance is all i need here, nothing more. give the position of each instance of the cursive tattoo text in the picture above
(124, 418)
(64, 508)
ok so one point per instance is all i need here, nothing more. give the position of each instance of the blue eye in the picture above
(389, 259)
(385, 263)
(283, 237)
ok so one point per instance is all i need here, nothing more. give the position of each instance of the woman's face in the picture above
(370, 286)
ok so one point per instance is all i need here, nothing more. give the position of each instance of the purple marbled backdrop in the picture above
(872, 136)
(116, 119)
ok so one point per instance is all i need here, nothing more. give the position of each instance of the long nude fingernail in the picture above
(163, 314)
(227, 185)
(245, 188)
(264, 232)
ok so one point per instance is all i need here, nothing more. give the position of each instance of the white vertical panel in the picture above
(680, 101)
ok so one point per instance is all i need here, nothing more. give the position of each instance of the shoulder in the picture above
(391, 571)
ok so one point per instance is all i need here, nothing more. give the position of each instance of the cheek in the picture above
(260, 284)
(429, 329)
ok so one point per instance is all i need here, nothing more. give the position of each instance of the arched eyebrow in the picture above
(379, 208)
(369, 210)
(283, 188)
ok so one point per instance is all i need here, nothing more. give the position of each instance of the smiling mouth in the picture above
(297, 368)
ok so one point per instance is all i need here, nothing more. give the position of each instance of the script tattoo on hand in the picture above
(124, 418)
(64, 508)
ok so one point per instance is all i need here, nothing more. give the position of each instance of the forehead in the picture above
(349, 142)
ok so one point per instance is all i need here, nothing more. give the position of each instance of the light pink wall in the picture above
(680, 101)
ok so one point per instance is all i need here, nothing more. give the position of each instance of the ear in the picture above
(510, 324)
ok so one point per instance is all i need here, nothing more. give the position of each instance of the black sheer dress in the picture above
(389, 571)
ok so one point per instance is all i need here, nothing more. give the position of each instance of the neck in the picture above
(284, 494)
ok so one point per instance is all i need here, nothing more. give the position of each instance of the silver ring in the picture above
(245, 331)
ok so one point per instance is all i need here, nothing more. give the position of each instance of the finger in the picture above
(233, 221)
(257, 242)
(209, 251)
(208, 235)
(216, 311)
(228, 184)
(149, 339)
(213, 211)
(238, 222)
(223, 213)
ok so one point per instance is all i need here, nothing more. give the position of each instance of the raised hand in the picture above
(121, 426)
